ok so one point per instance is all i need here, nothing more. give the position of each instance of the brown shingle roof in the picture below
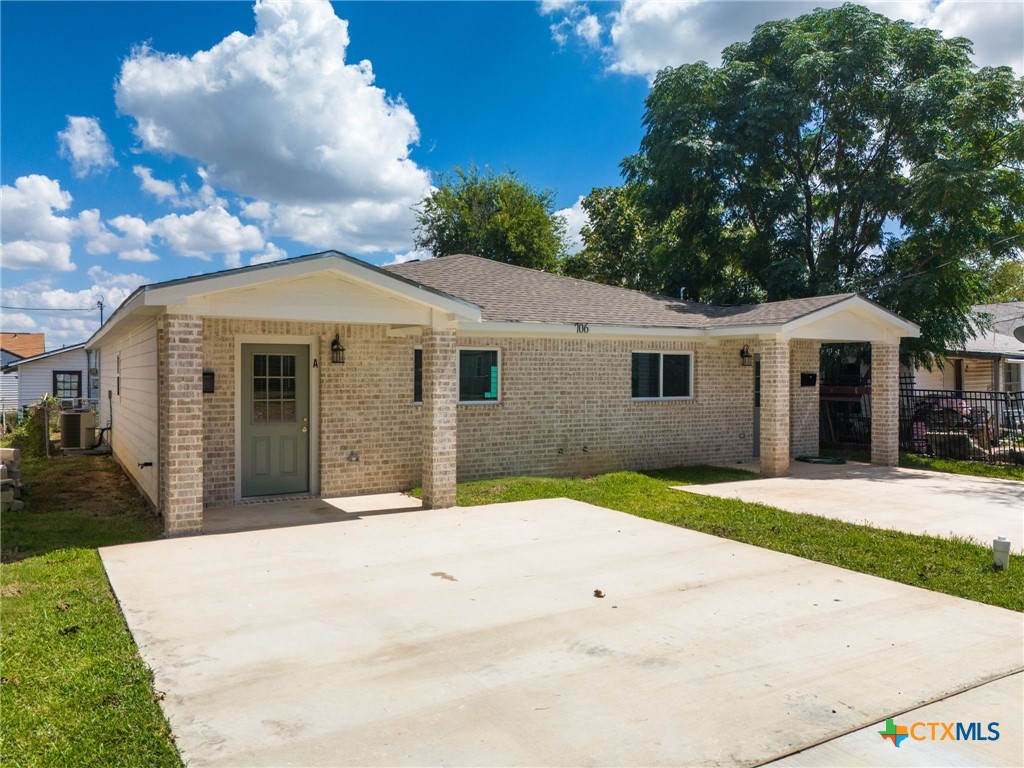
(23, 344)
(509, 293)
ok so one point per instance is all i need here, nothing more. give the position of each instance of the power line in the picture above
(49, 309)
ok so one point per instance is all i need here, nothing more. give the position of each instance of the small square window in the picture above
(479, 379)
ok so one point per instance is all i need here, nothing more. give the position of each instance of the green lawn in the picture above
(955, 567)
(73, 689)
(976, 468)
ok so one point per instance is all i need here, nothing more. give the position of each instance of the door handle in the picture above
(304, 429)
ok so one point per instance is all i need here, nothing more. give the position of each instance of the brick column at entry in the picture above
(775, 386)
(885, 404)
(180, 404)
(440, 396)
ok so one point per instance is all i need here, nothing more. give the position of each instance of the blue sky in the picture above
(148, 141)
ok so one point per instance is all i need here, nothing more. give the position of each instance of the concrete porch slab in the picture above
(472, 637)
(910, 500)
(259, 515)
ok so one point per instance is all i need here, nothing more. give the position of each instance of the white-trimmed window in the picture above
(662, 375)
(479, 376)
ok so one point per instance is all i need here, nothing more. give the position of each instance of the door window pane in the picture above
(273, 389)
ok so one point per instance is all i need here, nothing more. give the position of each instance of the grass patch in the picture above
(975, 468)
(74, 690)
(955, 567)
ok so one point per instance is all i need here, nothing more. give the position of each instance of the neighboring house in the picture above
(324, 375)
(63, 373)
(15, 346)
(8, 382)
(993, 361)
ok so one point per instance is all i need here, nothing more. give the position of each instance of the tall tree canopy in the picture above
(839, 151)
(495, 216)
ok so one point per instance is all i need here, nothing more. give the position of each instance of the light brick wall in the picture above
(440, 393)
(775, 400)
(180, 369)
(365, 407)
(804, 402)
(566, 409)
(885, 404)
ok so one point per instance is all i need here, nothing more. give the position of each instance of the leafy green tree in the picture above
(1006, 283)
(620, 242)
(839, 151)
(495, 216)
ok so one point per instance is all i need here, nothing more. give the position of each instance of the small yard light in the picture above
(337, 350)
(746, 359)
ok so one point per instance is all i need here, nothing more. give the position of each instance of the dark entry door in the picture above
(275, 419)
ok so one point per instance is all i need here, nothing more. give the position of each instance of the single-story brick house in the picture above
(325, 375)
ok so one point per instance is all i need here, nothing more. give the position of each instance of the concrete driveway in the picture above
(472, 636)
(910, 500)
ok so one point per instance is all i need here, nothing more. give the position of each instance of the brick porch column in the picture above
(885, 404)
(775, 394)
(180, 405)
(440, 395)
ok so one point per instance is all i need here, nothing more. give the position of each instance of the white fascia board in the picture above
(181, 293)
(570, 329)
(747, 331)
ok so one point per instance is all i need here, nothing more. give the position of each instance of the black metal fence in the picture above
(970, 426)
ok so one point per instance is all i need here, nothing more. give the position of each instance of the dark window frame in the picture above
(661, 376)
(458, 373)
(417, 376)
(56, 391)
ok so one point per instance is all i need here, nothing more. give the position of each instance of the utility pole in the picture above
(99, 303)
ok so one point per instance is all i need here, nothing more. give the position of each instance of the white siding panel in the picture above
(979, 375)
(9, 390)
(133, 434)
(933, 379)
(35, 379)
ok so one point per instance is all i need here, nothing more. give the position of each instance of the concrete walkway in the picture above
(911, 500)
(472, 636)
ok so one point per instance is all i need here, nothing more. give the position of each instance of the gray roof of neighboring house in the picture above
(505, 292)
(989, 343)
(1002, 318)
(51, 353)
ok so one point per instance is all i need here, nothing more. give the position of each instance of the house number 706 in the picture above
(582, 328)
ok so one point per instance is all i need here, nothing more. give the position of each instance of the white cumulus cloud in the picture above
(86, 146)
(575, 218)
(33, 234)
(279, 116)
(206, 232)
(648, 35)
(72, 327)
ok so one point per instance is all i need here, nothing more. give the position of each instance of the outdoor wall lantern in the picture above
(337, 350)
(746, 358)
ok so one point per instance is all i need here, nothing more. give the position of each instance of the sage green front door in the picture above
(275, 419)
